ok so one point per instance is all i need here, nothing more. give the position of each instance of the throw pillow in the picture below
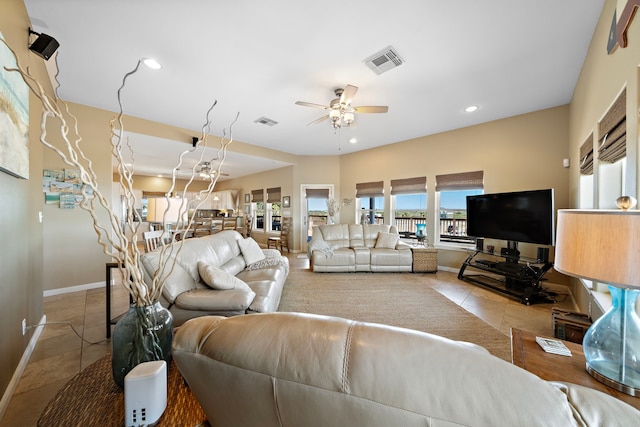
(270, 262)
(220, 279)
(251, 251)
(387, 240)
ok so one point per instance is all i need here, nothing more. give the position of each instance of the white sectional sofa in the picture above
(293, 369)
(222, 274)
(358, 247)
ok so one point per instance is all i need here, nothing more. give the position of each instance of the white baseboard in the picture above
(76, 288)
(22, 365)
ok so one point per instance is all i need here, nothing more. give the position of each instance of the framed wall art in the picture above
(286, 201)
(14, 118)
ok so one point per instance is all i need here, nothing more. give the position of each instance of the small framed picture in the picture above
(286, 202)
(247, 198)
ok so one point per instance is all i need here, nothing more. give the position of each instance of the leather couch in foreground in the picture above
(358, 247)
(221, 274)
(293, 370)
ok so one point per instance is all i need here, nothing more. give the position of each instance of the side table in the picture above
(425, 260)
(527, 354)
(93, 398)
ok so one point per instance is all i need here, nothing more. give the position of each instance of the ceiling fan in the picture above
(207, 172)
(341, 112)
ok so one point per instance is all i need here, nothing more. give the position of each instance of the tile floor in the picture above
(60, 353)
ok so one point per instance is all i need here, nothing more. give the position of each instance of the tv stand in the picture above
(508, 274)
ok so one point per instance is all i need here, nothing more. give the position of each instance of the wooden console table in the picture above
(527, 354)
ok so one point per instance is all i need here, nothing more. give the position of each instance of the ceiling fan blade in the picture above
(321, 119)
(371, 109)
(310, 104)
(348, 94)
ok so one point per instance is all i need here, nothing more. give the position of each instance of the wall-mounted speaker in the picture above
(44, 46)
(145, 393)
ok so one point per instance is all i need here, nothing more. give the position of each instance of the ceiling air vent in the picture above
(265, 121)
(384, 60)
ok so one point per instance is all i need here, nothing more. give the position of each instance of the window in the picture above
(257, 207)
(452, 191)
(273, 209)
(371, 199)
(409, 204)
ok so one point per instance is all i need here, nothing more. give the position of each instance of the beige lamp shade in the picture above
(599, 245)
(157, 206)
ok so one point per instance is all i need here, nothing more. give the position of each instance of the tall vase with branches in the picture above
(112, 234)
(333, 207)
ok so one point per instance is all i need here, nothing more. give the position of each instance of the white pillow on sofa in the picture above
(220, 279)
(251, 251)
(387, 240)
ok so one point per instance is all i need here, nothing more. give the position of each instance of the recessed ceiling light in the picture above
(353, 141)
(471, 108)
(152, 63)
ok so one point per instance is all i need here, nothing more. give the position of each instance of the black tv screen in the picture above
(523, 216)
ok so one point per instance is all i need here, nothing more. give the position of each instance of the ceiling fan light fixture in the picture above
(205, 171)
(348, 118)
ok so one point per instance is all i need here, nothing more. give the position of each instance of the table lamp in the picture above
(421, 234)
(604, 246)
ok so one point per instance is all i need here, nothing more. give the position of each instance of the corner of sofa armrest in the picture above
(401, 246)
(193, 333)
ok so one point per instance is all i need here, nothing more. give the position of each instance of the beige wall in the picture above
(602, 78)
(22, 246)
(518, 153)
(162, 185)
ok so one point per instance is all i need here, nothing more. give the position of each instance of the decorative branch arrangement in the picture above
(112, 236)
(333, 207)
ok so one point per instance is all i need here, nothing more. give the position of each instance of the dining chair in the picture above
(152, 239)
(281, 241)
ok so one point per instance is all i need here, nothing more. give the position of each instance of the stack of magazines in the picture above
(553, 346)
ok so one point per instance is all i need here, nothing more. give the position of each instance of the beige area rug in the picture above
(398, 299)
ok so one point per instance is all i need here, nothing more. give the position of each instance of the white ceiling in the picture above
(258, 58)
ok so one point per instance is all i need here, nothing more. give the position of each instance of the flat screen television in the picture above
(522, 216)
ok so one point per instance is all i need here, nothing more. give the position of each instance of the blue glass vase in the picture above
(612, 344)
(143, 334)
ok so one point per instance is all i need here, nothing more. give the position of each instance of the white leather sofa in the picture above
(235, 286)
(358, 247)
(291, 370)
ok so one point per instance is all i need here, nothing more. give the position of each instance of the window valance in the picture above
(273, 195)
(370, 189)
(586, 156)
(613, 131)
(317, 193)
(409, 185)
(257, 196)
(460, 181)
